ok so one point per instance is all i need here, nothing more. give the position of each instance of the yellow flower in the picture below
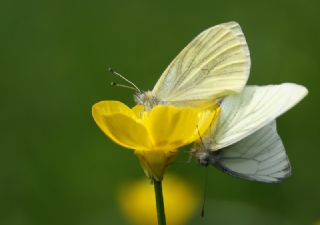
(154, 135)
(137, 201)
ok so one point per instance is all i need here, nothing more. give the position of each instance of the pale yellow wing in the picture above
(216, 63)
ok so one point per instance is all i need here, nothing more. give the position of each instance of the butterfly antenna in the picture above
(125, 79)
(192, 151)
(122, 85)
(205, 183)
(204, 192)
(200, 137)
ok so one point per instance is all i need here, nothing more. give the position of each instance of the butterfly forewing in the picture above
(216, 63)
(260, 157)
(244, 113)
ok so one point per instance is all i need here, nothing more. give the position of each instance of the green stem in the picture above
(159, 202)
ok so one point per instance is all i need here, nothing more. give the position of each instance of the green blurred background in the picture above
(57, 168)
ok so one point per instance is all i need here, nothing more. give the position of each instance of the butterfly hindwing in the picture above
(260, 157)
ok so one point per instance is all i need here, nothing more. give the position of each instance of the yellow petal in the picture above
(207, 118)
(110, 107)
(121, 125)
(172, 127)
(138, 110)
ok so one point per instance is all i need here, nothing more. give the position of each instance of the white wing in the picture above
(260, 157)
(247, 112)
(216, 63)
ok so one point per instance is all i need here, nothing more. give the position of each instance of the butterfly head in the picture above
(147, 99)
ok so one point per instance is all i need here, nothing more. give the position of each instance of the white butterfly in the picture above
(245, 142)
(212, 68)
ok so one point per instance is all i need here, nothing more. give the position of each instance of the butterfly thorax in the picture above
(147, 99)
(204, 156)
(199, 152)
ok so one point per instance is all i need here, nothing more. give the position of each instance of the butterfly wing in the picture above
(216, 63)
(260, 157)
(243, 114)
